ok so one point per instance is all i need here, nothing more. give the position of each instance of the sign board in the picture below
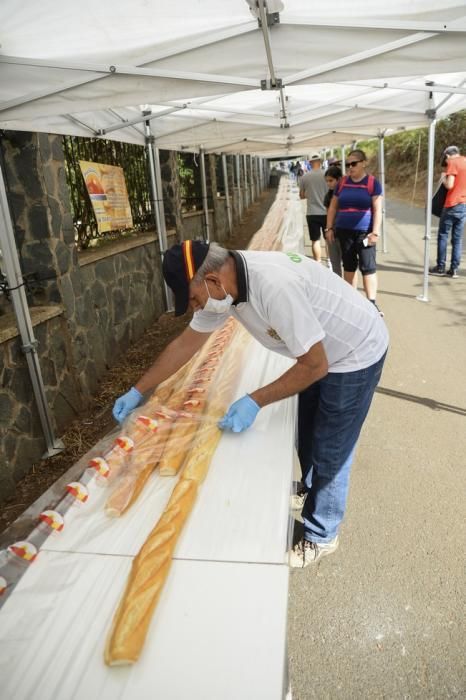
(107, 191)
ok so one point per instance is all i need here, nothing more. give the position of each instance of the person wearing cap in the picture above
(299, 309)
(313, 188)
(453, 215)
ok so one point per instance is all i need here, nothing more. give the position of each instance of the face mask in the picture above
(218, 306)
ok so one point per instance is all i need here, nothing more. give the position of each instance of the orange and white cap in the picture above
(100, 465)
(125, 443)
(24, 550)
(52, 519)
(76, 489)
(149, 423)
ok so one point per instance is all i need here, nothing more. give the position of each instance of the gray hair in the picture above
(214, 260)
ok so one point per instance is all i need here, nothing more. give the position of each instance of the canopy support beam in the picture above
(343, 158)
(157, 198)
(274, 82)
(205, 201)
(227, 192)
(382, 182)
(238, 185)
(432, 115)
(24, 322)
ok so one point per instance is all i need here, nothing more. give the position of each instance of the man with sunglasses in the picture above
(355, 218)
(300, 309)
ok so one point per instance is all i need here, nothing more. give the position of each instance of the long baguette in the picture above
(152, 564)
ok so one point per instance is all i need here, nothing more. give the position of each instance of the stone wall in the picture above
(87, 309)
(124, 295)
(21, 439)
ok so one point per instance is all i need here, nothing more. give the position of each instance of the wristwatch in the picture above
(330, 228)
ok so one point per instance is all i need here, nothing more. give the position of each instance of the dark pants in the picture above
(331, 413)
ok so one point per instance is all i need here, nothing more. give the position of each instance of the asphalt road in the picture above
(383, 617)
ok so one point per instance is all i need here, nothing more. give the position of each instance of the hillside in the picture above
(406, 157)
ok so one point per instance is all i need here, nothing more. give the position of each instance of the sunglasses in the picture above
(353, 163)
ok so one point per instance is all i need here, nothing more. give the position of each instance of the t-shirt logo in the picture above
(274, 335)
(294, 257)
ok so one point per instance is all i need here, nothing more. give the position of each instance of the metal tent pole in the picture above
(251, 178)
(432, 115)
(227, 192)
(245, 172)
(382, 182)
(157, 200)
(238, 184)
(23, 320)
(343, 159)
(205, 201)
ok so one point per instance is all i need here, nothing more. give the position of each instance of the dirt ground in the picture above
(85, 431)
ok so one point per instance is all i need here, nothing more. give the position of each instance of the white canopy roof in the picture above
(348, 70)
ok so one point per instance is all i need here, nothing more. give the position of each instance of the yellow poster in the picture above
(107, 191)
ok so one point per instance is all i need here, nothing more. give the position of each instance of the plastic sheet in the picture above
(175, 430)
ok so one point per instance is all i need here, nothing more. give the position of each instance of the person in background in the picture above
(314, 188)
(332, 177)
(354, 218)
(453, 215)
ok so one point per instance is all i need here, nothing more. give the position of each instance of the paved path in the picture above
(384, 616)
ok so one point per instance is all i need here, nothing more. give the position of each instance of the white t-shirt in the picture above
(294, 302)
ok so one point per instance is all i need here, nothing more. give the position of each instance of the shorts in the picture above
(354, 254)
(316, 224)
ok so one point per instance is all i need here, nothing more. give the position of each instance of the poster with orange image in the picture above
(107, 191)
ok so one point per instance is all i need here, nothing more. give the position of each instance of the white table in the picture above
(219, 630)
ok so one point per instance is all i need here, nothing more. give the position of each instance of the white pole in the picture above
(205, 201)
(343, 159)
(238, 185)
(23, 319)
(245, 169)
(430, 175)
(382, 182)
(157, 201)
(227, 192)
(251, 178)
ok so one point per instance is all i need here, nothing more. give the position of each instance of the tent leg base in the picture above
(421, 297)
(58, 446)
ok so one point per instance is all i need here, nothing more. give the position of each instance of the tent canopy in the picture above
(216, 75)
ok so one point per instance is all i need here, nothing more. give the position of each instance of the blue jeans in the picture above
(452, 219)
(331, 413)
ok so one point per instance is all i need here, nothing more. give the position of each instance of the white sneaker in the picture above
(305, 552)
(297, 500)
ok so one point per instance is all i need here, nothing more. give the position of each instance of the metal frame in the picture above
(274, 81)
(238, 185)
(343, 158)
(158, 209)
(438, 27)
(246, 184)
(205, 201)
(357, 57)
(23, 319)
(431, 113)
(227, 192)
(382, 182)
(252, 187)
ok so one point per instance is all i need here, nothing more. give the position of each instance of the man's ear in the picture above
(213, 277)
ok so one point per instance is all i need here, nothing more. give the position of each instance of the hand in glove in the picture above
(240, 416)
(126, 403)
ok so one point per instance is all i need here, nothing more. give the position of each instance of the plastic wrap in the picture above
(175, 430)
(198, 440)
